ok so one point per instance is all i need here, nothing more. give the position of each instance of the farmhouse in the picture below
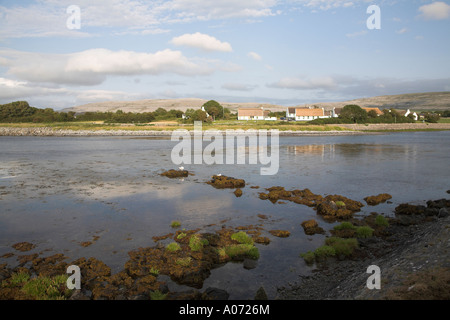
(302, 114)
(254, 114)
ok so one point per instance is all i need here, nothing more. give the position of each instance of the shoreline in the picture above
(51, 132)
(346, 129)
(413, 259)
(412, 253)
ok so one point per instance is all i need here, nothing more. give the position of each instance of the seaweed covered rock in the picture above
(409, 209)
(280, 233)
(337, 207)
(175, 173)
(223, 182)
(23, 246)
(375, 200)
(311, 227)
(331, 207)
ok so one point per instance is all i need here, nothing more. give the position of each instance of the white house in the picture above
(415, 115)
(308, 114)
(254, 114)
(290, 113)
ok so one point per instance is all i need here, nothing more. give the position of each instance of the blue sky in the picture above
(286, 52)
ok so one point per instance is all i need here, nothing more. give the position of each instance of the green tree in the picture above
(372, 114)
(353, 113)
(432, 117)
(199, 115)
(214, 108)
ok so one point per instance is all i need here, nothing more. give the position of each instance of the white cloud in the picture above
(13, 89)
(329, 4)
(327, 83)
(201, 41)
(402, 31)
(254, 56)
(343, 87)
(186, 10)
(46, 18)
(92, 66)
(238, 87)
(435, 11)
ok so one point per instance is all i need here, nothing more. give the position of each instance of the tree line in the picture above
(21, 111)
(356, 114)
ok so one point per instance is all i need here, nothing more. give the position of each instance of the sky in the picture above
(63, 53)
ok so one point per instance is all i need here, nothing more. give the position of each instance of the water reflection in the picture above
(66, 189)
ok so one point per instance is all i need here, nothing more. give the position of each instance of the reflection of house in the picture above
(254, 114)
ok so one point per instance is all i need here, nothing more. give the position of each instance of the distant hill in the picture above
(152, 105)
(414, 101)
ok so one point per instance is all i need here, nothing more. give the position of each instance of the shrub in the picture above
(324, 252)
(364, 232)
(173, 246)
(181, 235)
(154, 271)
(157, 295)
(340, 203)
(184, 262)
(196, 242)
(342, 246)
(381, 221)
(242, 250)
(242, 237)
(309, 257)
(46, 288)
(175, 224)
(18, 279)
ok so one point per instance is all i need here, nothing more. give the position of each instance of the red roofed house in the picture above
(302, 114)
(253, 114)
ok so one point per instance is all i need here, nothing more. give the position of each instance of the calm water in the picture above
(58, 192)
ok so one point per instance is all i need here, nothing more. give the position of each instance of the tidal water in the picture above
(57, 192)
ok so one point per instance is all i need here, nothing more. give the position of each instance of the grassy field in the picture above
(163, 126)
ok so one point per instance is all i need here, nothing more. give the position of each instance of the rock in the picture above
(23, 246)
(280, 233)
(374, 200)
(238, 192)
(78, 295)
(217, 294)
(443, 213)
(222, 182)
(311, 227)
(431, 212)
(175, 173)
(139, 297)
(409, 209)
(164, 288)
(250, 264)
(261, 294)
